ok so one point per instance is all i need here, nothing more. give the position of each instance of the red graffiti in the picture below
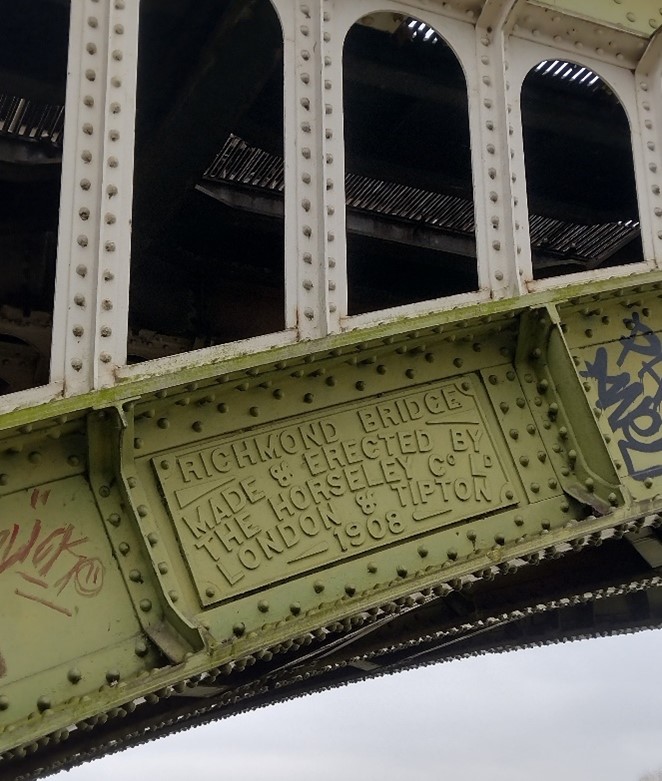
(51, 564)
(37, 496)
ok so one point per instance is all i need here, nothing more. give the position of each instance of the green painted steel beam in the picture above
(641, 17)
(149, 541)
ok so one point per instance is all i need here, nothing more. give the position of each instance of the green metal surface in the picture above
(638, 16)
(149, 541)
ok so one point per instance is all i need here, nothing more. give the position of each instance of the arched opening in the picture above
(208, 221)
(410, 214)
(581, 191)
(33, 71)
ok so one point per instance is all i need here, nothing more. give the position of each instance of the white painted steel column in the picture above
(648, 78)
(498, 163)
(92, 277)
(313, 155)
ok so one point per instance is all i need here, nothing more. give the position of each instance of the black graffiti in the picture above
(632, 412)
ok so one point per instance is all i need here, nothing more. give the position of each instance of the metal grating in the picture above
(584, 242)
(28, 121)
(571, 74)
(247, 166)
(399, 201)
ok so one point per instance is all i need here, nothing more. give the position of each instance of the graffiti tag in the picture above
(632, 401)
(51, 563)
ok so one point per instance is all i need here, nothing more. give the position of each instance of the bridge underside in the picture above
(230, 529)
(308, 519)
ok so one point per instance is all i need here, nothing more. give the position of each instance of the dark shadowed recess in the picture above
(409, 184)
(207, 267)
(33, 70)
(579, 171)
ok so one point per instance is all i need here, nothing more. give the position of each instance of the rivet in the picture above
(239, 629)
(74, 675)
(145, 605)
(142, 510)
(112, 676)
(141, 648)
(43, 703)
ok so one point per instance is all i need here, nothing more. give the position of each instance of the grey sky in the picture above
(585, 710)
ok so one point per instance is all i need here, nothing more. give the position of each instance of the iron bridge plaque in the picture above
(282, 500)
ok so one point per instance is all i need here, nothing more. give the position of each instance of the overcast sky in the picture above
(571, 712)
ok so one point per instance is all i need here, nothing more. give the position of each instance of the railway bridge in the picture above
(330, 344)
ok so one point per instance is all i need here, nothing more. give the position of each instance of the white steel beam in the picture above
(499, 178)
(314, 189)
(648, 78)
(92, 278)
